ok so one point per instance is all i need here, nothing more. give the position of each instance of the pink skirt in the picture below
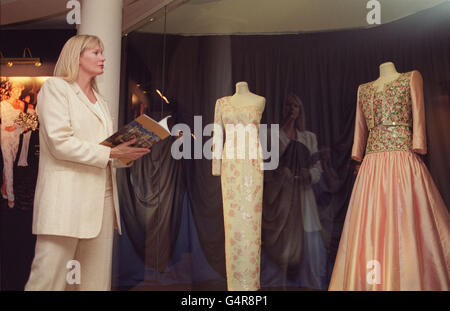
(397, 229)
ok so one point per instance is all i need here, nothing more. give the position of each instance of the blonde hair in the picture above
(68, 64)
(300, 121)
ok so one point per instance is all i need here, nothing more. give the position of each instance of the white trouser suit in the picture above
(76, 201)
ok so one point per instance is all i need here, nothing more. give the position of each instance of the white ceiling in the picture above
(278, 16)
(51, 14)
(195, 17)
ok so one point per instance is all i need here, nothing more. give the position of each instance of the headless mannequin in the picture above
(243, 96)
(242, 186)
(388, 73)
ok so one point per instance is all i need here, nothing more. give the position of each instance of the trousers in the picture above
(67, 263)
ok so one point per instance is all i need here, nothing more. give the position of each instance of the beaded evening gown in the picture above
(396, 233)
(242, 189)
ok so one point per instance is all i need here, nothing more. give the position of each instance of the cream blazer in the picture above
(73, 166)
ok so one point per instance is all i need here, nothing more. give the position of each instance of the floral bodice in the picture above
(388, 114)
(240, 125)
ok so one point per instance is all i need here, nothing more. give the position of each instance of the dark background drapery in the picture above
(324, 69)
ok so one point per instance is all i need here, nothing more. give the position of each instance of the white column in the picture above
(103, 18)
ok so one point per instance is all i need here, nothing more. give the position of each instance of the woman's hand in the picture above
(125, 151)
(10, 128)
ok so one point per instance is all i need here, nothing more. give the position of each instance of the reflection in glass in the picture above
(292, 232)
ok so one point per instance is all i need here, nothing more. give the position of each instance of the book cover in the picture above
(146, 131)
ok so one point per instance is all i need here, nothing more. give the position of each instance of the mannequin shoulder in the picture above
(221, 100)
(415, 75)
(258, 98)
(365, 85)
(258, 101)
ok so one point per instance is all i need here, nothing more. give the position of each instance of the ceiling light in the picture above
(24, 60)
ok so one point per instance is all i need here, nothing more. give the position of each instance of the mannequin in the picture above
(242, 184)
(243, 97)
(396, 234)
(388, 73)
(242, 88)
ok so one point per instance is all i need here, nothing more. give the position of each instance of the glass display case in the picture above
(186, 227)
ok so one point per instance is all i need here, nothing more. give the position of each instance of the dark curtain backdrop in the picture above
(197, 70)
(323, 69)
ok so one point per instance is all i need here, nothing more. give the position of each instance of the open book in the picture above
(146, 131)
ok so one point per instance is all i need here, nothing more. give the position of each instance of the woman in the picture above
(76, 203)
(291, 226)
(10, 137)
(23, 157)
